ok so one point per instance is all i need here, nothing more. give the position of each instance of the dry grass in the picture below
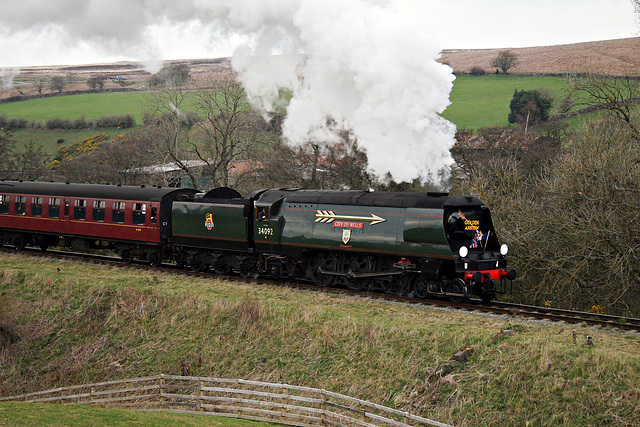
(614, 57)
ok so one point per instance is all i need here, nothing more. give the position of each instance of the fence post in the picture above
(323, 407)
(284, 400)
(199, 402)
(161, 389)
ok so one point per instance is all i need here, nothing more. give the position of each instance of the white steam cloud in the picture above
(7, 75)
(350, 64)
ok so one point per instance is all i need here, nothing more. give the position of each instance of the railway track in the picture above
(495, 307)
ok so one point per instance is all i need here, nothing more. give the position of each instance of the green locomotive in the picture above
(416, 244)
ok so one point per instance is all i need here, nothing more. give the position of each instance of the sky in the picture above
(63, 32)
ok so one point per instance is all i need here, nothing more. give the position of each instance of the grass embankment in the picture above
(88, 323)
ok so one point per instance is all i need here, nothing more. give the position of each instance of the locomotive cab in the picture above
(479, 259)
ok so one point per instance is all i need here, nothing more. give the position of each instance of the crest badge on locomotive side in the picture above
(208, 222)
(346, 235)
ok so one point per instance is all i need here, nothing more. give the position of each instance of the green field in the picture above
(22, 414)
(480, 101)
(90, 105)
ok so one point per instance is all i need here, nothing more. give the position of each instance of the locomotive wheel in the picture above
(356, 264)
(325, 261)
(457, 287)
(196, 264)
(220, 267)
(400, 284)
(247, 269)
(421, 287)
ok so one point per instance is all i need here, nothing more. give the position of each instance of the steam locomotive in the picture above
(417, 244)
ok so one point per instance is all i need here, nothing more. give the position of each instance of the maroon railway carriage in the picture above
(133, 221)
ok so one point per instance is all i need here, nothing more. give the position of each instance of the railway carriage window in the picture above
(80, 209)
(21, 205)
(4, 204)
(36, 206)
(117, 215)
(54, 207)
(98, 210)
(139, 213)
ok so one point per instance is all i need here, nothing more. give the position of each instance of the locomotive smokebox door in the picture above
(268, 225)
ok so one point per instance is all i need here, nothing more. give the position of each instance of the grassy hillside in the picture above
(84, 323)
(480, 101)
(90, 105)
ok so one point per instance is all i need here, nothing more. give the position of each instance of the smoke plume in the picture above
(357, 65)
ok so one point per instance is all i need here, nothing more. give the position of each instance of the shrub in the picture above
(58, 123)
(17, 123)
(81, 123)
(121, 122)
(477, 71)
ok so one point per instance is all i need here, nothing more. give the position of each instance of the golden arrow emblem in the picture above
(329, 216)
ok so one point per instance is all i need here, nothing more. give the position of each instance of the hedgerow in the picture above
(116, 121)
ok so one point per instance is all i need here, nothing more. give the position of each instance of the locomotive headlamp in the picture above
(504, 250)
(463, 252)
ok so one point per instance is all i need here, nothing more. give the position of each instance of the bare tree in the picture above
(168, 129)
(505, 60)
(230, 130)
(618, 96)
(40, 84)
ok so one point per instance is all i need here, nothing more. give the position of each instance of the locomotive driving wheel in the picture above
(196, 264)
(353, 264)
(220, 267)
(322, 261)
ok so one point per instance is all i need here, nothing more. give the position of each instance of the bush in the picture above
(18, 123)
(170, 75)
(58, 123)
(530, 106)
(121, 122)
(82, 123)
(477, 71)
